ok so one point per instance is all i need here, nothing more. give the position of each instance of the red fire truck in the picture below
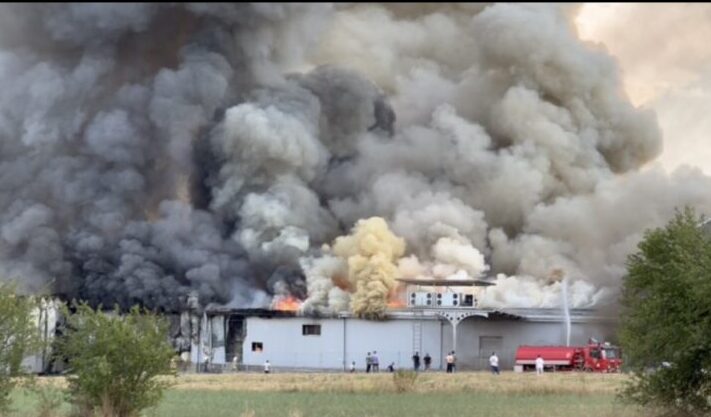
(594, 357)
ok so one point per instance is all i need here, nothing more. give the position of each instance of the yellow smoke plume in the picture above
(371, 251)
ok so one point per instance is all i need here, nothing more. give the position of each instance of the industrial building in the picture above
(297, 342)
(433, 321)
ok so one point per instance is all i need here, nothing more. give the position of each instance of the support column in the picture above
(455, 317)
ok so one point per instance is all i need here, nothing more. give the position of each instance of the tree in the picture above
(18, 337)
(115, 360)
(666, 318)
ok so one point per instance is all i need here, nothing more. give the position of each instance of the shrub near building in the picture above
(114, 360)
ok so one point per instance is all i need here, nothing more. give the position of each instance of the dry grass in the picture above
(479, 382)
(373, 395)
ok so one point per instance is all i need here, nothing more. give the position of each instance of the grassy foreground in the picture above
(360, 395)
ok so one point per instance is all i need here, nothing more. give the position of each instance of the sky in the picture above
(665, 57)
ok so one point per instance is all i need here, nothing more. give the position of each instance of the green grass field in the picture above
(205, 396)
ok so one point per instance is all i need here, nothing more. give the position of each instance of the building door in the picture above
(234, 339)
(488, 344)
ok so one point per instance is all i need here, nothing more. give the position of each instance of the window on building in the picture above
(311, 330)
(257, 347)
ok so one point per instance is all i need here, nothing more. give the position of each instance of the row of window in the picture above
(306, 330)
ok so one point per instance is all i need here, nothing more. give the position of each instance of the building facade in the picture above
(218, 339)
(333, 343)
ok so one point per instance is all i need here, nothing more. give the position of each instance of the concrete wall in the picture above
(284, 345)
(45, 317)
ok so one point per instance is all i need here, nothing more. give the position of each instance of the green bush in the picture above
(18, 338)
(114, 360)
(404, 380)
(666, 318)
(49, 400)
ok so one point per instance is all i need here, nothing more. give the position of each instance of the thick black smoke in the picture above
(109, 188)
(149, 151)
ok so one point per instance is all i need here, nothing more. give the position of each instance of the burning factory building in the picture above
(277, 176)
(438, 317)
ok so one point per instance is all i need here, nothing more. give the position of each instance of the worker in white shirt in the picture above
(267, 367)
(494, 363)
(539, 365)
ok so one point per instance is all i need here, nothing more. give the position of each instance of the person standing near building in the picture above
(353, 367)
(368, 363)
(375, 361)
(494, 363)
(267, 367)
(416, 361)
(450, 362)
(539, 365)
(428, 361)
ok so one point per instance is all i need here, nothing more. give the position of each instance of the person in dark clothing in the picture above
(428, 361)
(368, 363)
(416, 361)
(391, 367)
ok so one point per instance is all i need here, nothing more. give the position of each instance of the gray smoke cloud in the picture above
(149, 151)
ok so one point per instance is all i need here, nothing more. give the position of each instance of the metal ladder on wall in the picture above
(417, 335)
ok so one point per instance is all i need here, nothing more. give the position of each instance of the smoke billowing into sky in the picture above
(149, 151)
(667, 69)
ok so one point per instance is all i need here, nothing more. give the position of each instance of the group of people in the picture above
(372, 363)
(416, 361)
(494, 364)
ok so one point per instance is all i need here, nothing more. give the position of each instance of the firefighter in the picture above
(539, 365)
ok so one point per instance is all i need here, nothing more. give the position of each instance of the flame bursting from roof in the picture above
(288, 303)
(291, 303)
(396, 298)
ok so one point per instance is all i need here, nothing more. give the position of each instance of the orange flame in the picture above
(395, 299)
(286, 304)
